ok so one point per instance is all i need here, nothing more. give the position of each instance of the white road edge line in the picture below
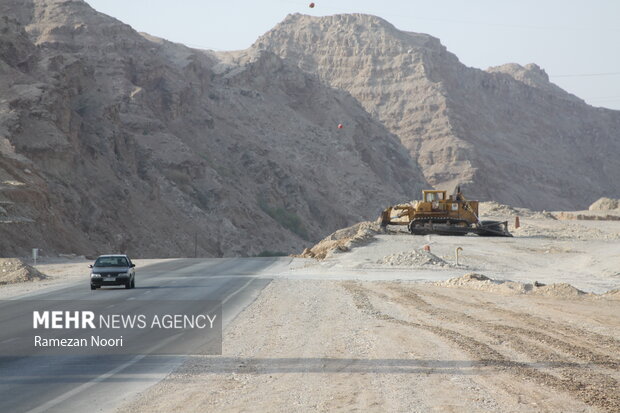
(51, 403)
(55, 401)
(231, 295)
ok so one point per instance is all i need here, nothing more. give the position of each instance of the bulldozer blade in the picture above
(492, 229)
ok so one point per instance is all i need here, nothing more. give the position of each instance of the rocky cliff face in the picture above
(506, 134)
(115, 141)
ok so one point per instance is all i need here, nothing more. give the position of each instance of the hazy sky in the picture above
(576, 41)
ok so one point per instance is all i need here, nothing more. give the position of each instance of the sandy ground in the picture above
(585, 254)
(354, 333)
(406, 347)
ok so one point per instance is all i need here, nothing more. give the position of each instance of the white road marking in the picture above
(51, 403)
(46, 406)
(236, 292)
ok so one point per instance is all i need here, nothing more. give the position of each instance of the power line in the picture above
(607, 99)
(588, 74)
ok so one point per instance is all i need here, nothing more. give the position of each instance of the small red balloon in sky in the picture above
(340, 126)
(311, 5)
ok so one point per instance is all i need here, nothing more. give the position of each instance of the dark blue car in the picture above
(112, 270)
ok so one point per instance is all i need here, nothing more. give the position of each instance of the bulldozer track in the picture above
(553, 362)
(565, 332)
(568, 330)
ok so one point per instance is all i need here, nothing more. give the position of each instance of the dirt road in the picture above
(405, 347)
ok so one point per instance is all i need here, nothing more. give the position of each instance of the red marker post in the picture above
(311, 5)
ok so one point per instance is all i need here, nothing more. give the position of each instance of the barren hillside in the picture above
(505, 134)
(115, 141)
(112, 140)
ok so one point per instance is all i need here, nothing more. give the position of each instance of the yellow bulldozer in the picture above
(440, 214)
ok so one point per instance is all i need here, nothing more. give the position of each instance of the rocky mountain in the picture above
(506, 134)
(111, 140)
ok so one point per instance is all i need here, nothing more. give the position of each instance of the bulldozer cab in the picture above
(433, 201)
(434, 196)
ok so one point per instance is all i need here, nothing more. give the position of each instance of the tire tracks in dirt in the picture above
(567, 331)
(592, 388)
(550, 327)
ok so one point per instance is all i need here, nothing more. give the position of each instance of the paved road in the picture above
(100, 383)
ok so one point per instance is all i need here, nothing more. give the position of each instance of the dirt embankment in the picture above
(343, 240)
(14, 271)
(481, 282)
(416, 258)
(586, 217)
(495, 209)
(605, 209)
(605, 204)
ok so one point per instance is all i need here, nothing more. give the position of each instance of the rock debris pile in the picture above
(415, 258)
(14, 270)
(343, 240)
(481, 282)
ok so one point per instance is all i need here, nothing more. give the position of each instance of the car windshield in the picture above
(111, 262)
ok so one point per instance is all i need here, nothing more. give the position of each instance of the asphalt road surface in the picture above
(96, 383)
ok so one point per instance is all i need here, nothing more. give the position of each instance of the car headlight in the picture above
(93, 275)
(122, 274)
